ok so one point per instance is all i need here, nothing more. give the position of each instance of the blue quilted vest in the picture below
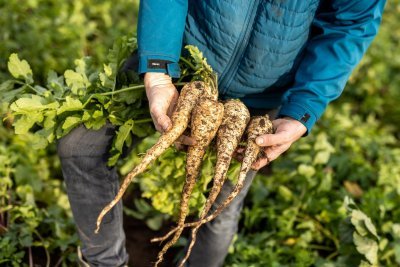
(239, 54)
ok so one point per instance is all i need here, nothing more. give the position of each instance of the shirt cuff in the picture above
(162, 64)
(300, 113)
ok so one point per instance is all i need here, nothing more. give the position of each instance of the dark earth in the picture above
(142, 252)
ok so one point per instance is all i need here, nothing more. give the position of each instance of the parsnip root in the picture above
(236, 117)
(206, 118)
(258, 125)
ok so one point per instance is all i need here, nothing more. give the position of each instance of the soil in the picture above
(143, 253)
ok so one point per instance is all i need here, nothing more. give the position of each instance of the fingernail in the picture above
(259, 141)
(165, 127)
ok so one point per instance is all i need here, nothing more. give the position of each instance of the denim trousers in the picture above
(91, 185)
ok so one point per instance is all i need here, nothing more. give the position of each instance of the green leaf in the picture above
(397, 253)
(155, 223)
(107, 70)
(81, 65)
(371, 227)
(120, 51)
(123, 133)
(396, 230)
(321, 157)
(70, 104)
(363, 223)
(104, 79)
(23, 124)
(142, 130)
(349, 203)
(35, 103)
(365, 264)
(366, 247)
(198, 64)
(306, 170)
(97, 114)
(6, 86)
(346, 231)
(113, 159)
(133, 213)
(19, 68)
(76, 81)
(8, 92)
(41, 138)
(50, 119)
(71, 122)
(357, 219)
(285, 192)
(96, 123)
(56, 83)
(27, 104)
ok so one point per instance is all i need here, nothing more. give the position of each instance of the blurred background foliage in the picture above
(332, 200)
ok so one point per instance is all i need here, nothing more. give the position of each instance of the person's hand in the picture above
(287, 131)
(162, 96)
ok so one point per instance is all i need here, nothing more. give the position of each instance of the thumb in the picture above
(160, 118)
(277, 138)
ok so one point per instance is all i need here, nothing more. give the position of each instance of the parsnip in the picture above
(258, 125)
(236, 117)
(206, 118)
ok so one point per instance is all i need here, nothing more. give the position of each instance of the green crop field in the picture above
(332, 200)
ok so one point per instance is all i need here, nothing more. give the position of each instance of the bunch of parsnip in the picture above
(92, 97)
(198, 106)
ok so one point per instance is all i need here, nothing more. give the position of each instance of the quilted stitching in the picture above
(278, 35)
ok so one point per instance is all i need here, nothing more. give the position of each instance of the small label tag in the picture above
(157, 64)
(305, 117)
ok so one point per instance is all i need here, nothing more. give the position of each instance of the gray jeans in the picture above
(91, 185)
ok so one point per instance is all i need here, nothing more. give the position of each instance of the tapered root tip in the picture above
(100, 218)
(98, 223)
(158, 261)
(158, 239)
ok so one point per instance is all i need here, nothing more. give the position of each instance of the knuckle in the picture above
(160, 119)
(286, 137)
(154, 109)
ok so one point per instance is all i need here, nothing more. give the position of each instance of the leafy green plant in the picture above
(34, 209)
(52, 34)
(84, 95)
(358, 235)
(88, 96)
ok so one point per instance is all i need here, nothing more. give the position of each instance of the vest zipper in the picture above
(231, 67)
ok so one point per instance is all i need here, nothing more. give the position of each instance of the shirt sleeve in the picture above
(160, 32)
(341, 33)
